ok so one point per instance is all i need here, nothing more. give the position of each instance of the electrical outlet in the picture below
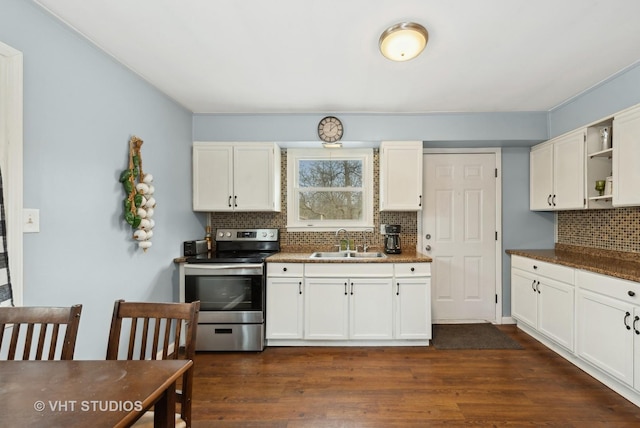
(31, 220)
(383, 229)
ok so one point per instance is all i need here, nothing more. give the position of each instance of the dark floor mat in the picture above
(471, 336)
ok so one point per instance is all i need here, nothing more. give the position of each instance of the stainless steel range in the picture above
(230, 284)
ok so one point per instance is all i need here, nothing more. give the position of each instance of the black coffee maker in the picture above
(392, 239)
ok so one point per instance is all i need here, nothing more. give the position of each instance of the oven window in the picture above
(225, 293)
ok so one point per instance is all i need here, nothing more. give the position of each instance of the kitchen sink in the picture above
(346, 255)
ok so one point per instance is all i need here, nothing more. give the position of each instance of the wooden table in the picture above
(88, 393)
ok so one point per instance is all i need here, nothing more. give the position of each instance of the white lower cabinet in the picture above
(606, 319)
(542, 296)
(608, 322)
(413, 301)
(332, 303)
(284, 315)
(340, 307)
(348, 308)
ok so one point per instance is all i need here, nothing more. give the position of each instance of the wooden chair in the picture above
(42, 324)
(155, 332)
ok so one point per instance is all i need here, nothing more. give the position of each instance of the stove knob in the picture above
(271, 234)
(228, 234)
(221, 234)
(264, 234)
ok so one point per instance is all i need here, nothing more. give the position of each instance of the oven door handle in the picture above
(221, 268)
(209, 266)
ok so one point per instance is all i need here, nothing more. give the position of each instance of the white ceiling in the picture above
(321, 56)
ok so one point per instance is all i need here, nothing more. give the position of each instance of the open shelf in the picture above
(602, 154)
(600, 198)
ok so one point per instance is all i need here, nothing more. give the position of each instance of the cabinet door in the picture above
(212, 177)
(626, 158)
(636, 347)
(401, 175)
(556, 311)
(285, 308)
(253, 177)
(370, 309)
(568, 171)
(524, 301)
(326, 309)
(413, 308)
(541, 178)
(602, 337)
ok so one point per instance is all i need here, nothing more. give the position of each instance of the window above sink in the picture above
(329, 188)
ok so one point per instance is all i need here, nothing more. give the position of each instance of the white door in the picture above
(11, 90)
(459, 228)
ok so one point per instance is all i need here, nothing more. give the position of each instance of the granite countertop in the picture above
(619, 264)
(301, 255)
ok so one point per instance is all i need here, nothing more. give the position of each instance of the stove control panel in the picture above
(247, 235)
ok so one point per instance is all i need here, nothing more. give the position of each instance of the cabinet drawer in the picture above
(412, 269)
(559, 273)
(285, 269)
(621, 289)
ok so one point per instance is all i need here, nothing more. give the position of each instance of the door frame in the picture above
(11, 107)
(497, 152)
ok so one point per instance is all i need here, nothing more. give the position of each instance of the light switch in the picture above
(31, 220)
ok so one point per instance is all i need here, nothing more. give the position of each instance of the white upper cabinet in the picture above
(541, 177)
(626, 158)
(236, 176)
(557, 173)
(401, 176)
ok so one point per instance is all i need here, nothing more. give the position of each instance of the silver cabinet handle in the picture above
(300, 287)
(397, 289)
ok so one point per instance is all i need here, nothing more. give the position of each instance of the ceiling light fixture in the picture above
(403, 41)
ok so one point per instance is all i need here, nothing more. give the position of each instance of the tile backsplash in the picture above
(321, 240)
(610, 229)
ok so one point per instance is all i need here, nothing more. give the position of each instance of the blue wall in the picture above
(80, 108)
(521, 129)
(611, 96)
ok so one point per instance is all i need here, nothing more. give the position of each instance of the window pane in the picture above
(330, 173)
(330, 205)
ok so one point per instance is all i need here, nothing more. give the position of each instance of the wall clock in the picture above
(330, 129)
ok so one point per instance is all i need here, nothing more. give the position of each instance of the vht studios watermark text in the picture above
(87, 406)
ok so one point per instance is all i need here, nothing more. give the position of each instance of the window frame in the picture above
(293, 158)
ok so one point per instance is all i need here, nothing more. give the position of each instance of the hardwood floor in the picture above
(402, 387)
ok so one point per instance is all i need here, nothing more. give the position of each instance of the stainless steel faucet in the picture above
(365, 246)
(346, 233)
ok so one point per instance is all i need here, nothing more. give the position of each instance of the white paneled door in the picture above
(459, 233)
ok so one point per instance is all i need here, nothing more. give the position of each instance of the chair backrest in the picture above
(42, 324)
(155, 331)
